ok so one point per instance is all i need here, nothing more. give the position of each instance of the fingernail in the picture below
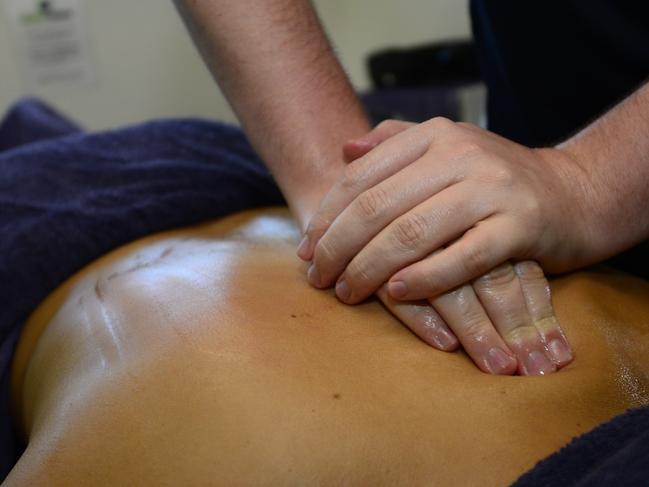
(498, 362)
(397, 289)
(303, 247)
(561, 353)
(342, 290)
(536, 363)
(444, 340)
(313, 276)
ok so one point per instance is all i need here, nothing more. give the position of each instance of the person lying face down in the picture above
(172, 361)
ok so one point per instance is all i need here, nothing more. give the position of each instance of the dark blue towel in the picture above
(67, 198)
(612, 455)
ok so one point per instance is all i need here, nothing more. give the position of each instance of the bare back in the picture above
(202, 357)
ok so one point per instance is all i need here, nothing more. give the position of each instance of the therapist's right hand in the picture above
(504, 319)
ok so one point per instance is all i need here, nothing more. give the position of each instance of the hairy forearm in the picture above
(613, 153)
(272, 60)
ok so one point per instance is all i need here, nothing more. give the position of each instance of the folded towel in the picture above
(613, 454)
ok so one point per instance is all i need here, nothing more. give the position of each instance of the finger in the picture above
(536, 292)
(382, 162)
(423, 321)
(379, 164)
(501, 295)
(466, 317)
(407, 239)
(355, 148)
(377, 207)
(480, 249)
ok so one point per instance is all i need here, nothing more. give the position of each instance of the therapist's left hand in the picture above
(441, 203)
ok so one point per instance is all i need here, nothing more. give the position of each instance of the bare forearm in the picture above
(613, 153)
(275, 65)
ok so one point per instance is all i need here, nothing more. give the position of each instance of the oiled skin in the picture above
(202, 357)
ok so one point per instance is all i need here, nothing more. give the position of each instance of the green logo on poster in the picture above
(45, 10)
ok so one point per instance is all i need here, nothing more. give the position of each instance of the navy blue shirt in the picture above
(552, 66)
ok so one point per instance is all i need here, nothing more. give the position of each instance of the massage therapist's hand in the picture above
(441, 203)
(505, 320)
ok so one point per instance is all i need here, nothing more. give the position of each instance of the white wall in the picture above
(358, 27)
(147, 66)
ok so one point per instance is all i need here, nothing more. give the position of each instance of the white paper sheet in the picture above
(51, 42)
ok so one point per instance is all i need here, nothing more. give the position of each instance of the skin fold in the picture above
(201, 357)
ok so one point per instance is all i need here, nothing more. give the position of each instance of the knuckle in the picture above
(474, 328)
(358, 274)
(475, 259)
(532, 208)
(513, 317)
(371, 204)
(529, 270)
(501, 276)
(502, 175)
(547, 324)
(324, 252)
(523, 337)
(468, 148)
(440, 123)
(353, 176)
(468, 125)
(410, 230)
(537, 292)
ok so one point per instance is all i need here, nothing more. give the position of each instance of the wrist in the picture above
(613, 155)
(576, 214)
(594, 200)
(304, 196)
